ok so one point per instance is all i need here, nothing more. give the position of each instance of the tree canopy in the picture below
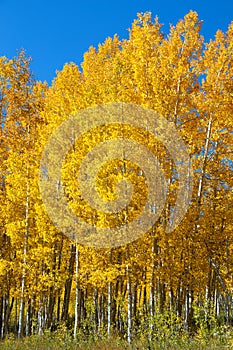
(46, 277)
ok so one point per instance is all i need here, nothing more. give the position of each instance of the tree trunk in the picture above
(110, 299)
(129, 331)
(21, 309)
(68, 284)
(77, 303)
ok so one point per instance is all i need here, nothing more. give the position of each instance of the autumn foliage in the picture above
(47, 278)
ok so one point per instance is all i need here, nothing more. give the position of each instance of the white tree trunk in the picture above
(109, 299)
(129, 332)
(21, 310)
(76, 292)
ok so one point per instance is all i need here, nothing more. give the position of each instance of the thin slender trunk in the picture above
(110, 299)
(40, 320)
(152, 287)
(129, 330)
(58, 308)
(77, 304)
(96, 310)
(3, 311)
(134, 301)
(102, 311)
(186, 310)
(109, 306)
(28, 319)
(59, 291)
(68, 283)
(21, 309)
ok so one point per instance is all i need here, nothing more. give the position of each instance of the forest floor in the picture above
(55, 343)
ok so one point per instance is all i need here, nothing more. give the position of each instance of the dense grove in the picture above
(162, 282)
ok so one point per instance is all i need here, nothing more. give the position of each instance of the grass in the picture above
(65, 342)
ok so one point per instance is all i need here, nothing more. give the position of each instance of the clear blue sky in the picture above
(54, 32)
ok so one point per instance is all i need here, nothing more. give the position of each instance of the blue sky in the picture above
(54, 32)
